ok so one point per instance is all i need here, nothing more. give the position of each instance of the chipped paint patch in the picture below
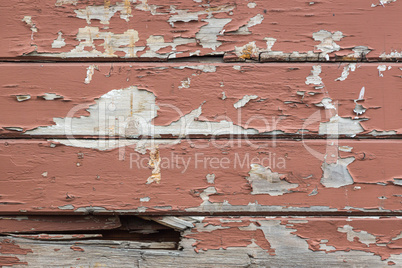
(345, 73)
(105, 13)
(145, 199)
(327, 40)
(132, 118)
(326, 103)
(248, 51)
(314, 78)
(359, 109)
(90, 72)
(51, 96)
(257, 19)
(23, 97)
(382, 133)
(393, 55)
(264, 181)
(210, 178)
(383, 3)
(208, 34)
(59, 41)
(382, 68)
(29, 22)
(340, 126)
(336, 174)
(243, 101)
(185, 83)
(363, 236)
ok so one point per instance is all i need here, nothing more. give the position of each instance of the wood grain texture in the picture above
(159, 100)
(143, 30)
(199, 176)
(232, 242)
(28, 224)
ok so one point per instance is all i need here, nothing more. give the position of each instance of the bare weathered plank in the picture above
(232, 242)
(155, 29)
(28, 224)
(199, 176)
(180, 99)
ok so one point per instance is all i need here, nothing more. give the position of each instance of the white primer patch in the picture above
(336, 174)
(104, 13)
(90, 72)
(359, 109)
(145, 199)
(382, 133)
(28, 21)
(257, 19)
(340, 126)
(51, 96)
(210, 178)
(208, 34)
(59, 41)
(264, 181)
(133, 118)
(243, 101)
(270, 42)
(314, 78)
(23, 97)
(124, 42)
(326, 103)
(185, 83)
(393, 55)
(328, 39)
(363, 236)
(345, 73)
(383, 3)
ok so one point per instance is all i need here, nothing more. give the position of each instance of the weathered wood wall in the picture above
(266, 132)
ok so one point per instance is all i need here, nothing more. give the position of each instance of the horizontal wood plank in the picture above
(154, 29)
(199, 176)
(28, 224)
(157, 100)
(232, 242)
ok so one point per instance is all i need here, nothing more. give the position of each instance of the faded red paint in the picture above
(116, 186)
(76, 248)
(384, 230)
(8, 246)
(10, 261)
(291, 23)
(276, 86)
(11, 224)
(231, 237)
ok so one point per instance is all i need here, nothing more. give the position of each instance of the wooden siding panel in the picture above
(152, 99)
(232, 242)
(329, 30)
(199, 176)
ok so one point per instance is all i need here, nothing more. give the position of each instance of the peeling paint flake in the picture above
(264, 181)
(336, 174)
(90, 72)
(314, 78)
(351, 67)
(243, 101)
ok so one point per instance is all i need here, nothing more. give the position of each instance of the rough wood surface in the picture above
(231, 242)
(28, 224)
(151, 99)
(155, 29)
(199, 176)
